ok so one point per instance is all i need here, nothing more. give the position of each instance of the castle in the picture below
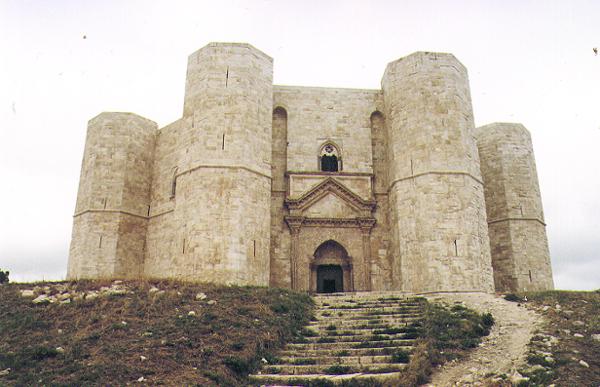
(315, 189)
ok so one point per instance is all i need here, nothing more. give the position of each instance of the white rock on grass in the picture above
(91, 296)
(153, 289)
(584, 363)
(596, 336)
(211, 302)
(517, 378)
(27, 293)
(42, 298)
(5, 372)
(191, 313)
(60, 350)
(201, 296)
(578, 335)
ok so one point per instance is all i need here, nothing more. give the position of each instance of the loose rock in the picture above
(42, 298)
(201, 296)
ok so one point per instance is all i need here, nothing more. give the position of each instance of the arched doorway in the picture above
(330, 279)
(331, 270)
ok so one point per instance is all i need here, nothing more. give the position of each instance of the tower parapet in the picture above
(110, 221)
(518, 240)
(437, 223)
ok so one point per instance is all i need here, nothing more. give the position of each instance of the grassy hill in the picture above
(91, 333)
(566, 350)
(171, 333)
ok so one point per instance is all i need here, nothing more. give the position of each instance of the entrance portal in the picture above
(330, 279)
(331, 269)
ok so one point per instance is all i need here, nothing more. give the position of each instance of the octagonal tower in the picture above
(437, 211)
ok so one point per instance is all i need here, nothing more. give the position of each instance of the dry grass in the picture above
(104, 339)
(579, 312)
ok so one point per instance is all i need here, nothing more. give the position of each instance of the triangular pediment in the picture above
(330, 206)
(331, 192)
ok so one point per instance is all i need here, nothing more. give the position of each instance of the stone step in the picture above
(299, 380)
(344, 351)
(340, 345)
(373, 295)
(324, 326)
(329, 360)
(364, 318)
(363, 331)
(359, 337)
(383, 310)
(365, 304)
(347, 342)
(331, 369)
(373, 310)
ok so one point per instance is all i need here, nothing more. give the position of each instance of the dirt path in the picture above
(502, 352)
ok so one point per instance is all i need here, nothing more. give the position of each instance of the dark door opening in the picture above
(330, 279)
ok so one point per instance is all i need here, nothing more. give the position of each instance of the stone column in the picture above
(294, 223)
(365, 229)
(348, 277)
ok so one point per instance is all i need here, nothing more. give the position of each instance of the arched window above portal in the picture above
(330, 158)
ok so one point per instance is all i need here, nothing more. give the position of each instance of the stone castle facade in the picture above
(317, 189)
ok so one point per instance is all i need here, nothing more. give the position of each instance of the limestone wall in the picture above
(109, 227)
(438, 221)
(162, 248)
(222, 157)
(280, 234)
(316, 115)
(519, 245)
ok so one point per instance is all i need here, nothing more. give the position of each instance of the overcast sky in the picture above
(63, 62)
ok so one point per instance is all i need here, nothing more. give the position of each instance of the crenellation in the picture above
(311, 188)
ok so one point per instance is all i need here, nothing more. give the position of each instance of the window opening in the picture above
(329, 159)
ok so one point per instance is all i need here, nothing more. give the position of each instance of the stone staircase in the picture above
(352, 336)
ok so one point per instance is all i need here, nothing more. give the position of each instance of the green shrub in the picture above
(326, 340)
(238, 365)
(338, 369)
(4, 276)
(400, 356)
(487, 319)
(41, 353)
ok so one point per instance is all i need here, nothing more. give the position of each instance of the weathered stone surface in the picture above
(518, 241)
(259, 184)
